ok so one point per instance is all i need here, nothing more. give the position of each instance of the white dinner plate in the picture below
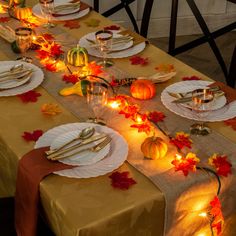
(37, 12)
(35, 80)
(65, 11)
(116, 157)
(83, 158)
(12, 83)
(220, 111)
(118, 51)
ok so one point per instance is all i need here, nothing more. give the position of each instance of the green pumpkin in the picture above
(77, 56)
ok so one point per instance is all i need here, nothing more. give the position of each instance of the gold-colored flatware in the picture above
(82, 143)
(95, 148)
(12, 70)
(18, 77)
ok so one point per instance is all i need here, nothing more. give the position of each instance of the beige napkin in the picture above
(136, 37)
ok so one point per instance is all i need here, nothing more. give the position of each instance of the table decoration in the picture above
(72, 24)
(193, 77)
(7, 33)
(231, 122)
(112, 27)
(121, 180)
(143, 89)
(181, 140)
(4, 19)
(50, 109)
(32, 136)
(92, 22)
(71, 78)
(137, 60)
(77, 56)
(30, 96)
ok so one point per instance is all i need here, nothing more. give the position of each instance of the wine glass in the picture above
(47, 7)
(202, 101)
(23, 40)
(104, 41)
(97, 94)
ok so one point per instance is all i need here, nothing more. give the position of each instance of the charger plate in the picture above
(115, 158)
(224, 112)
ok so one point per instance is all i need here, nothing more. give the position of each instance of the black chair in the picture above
(125, 4)
(232, 70)
(207, 35)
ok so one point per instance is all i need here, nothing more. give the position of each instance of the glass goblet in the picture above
(97, 94)
(202, 101)
(23, 40)
(104, 41)
(47, 7)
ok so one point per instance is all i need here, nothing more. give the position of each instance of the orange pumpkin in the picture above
(143, 89)
(22, 13)
(154, 148)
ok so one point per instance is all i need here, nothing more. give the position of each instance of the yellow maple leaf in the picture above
(50, 109)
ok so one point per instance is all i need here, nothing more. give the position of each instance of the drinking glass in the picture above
(47, 10)
(23, 40)
(104, 41)
(202, 101)
(97, 94)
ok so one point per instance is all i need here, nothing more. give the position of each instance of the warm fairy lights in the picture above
(178, 157)
(3, 8)
(203, 214)
(114, 104)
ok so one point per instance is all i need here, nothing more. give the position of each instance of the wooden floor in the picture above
(202, 58)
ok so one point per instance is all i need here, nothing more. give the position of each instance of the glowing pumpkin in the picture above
(143, 89)
(20, 13)
(80, 88)
(154, 148)
(78, 56)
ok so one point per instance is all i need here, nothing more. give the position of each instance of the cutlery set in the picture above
(73, 147)
(68, 6)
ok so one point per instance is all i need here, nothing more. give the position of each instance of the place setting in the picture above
(200, 101)
(59, 10)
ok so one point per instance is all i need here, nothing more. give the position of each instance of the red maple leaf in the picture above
(72, 24)
(137, 60)
(70, 78)
(30, 96)
(156, 116)
(222, 165)
(129, 111)
(231, 122)
(34, 136)
(181, 140)
(144, 127)
(50, 67)
(121, 180)
(4, 19)
(55, 50)
(42, 54)
(48, 37)
(112, 27)
(191, 78)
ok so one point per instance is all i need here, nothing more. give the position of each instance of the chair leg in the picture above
(231, 78)
(96, 5)
(173, 24)
(207, 33)
(146, 18)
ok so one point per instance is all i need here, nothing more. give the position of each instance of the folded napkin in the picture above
(230, 93)
(32, 168)
(136, 37)
(7, 33)
(83, 6)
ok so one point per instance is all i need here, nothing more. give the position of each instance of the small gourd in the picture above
(80, 88)
(154, 148)
(143, 89)
(78, 56)
(18, 9)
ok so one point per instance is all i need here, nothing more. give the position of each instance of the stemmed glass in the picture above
(23, 40)
(47, 10)
(104, 41)
(97, 94)
(202, 101)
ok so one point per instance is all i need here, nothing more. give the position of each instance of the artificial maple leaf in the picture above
(48, 37)
(42, 54)
(30, 96)
(50, 67)
(112, 27)
(121, 180)
(137, 60)
(50, 109)
(92, 23)
(186, 164)
(231, 122)
(93, 68)
(129, 111)
(4, 19)
(144, 127)
(191, 78)
(222, 165)
(156, 116)
(71, 78)
(55, 50)
(166, 68)
(34, 136)
(181, 140)
(72, 24)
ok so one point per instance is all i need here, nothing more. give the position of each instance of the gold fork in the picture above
(95, 148)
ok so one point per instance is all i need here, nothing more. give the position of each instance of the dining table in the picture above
(91, 206)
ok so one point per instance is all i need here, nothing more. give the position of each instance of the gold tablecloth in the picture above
(86, 206)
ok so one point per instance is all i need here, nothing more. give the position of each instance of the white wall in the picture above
(217, 13)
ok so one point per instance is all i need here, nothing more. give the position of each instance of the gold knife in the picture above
(82, 143)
